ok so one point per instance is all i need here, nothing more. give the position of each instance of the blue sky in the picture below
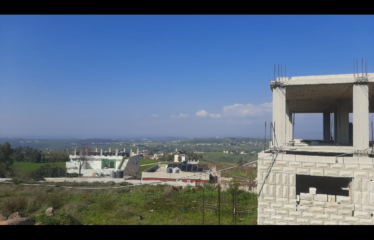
(164, 75)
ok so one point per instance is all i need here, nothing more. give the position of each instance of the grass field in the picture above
(158, 205)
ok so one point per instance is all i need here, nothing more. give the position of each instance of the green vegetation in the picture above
(226, 157)
(28, 166)
(143, 168)
(157, 205)
(147, 160)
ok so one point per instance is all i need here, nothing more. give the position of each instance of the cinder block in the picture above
(268, 222)
(262, 167)
(371, 185)
(308, 165)
(336, 217)
(345, 212)
(330, 223)
(268, 211)
(292, 200)
(344, 223)
(365, 161)
(263, 216)
(371, 174)
(263, 204)
(285, 178)
(276, 217)
(345, 173)
(316, 172)
(288, 157)
(319, 204)
(312, 190)
(278, 191)
(331, 173)
(357, 207)
(289, 170)
(259, 221)
(278, 178)
(330, 211)
(265, 162)
(303, 221)
(367, 208)
(315, 159)
(292, 192)
(366, 167)
(328, 160)
(292, 179)
(294, 164)
(276, 169)
(357, 196)
(260, 209)
(306, 203)
(360, 174)
(356, 184)
(281, 163)
(337, 166)
(320, 197)
(347, 206)
(285, 192)
(343, 199)
(361, 214)
(322, 166)
(351, 219)
(281, 200)
(302, 171)
(316, 222)
(289, 207)
(289, 219)
(350, 160)
(306, 196)
(276, 205)
(353, 167)
(365, 184)
(281, 212)
(316, 210)
(294, 213)
(302, 158)
(339, 159)
(302, 208)
(363, 221)
(371, 196)
(332, 205)
(331, 198)
(271, 190)
(268, 199)
(308, 215)
(365, 198)
(280, 223)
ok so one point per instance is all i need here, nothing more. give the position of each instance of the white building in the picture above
(104, 163)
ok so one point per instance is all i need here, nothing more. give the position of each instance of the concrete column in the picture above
(116, 152)
(343, 122)
(124, 149)
(279, 116)
(75, 151)
(361, 116)
(326, 126)
(101, 152)
(95, 149)
(288, 123)
(110, 150)
(335, 124)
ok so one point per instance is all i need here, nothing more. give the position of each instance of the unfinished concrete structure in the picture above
(319, 182)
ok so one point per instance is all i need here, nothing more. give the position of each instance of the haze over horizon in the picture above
(134, 76)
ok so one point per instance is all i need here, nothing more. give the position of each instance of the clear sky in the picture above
(120, 76)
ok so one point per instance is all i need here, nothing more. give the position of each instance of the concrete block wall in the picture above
(279, 204)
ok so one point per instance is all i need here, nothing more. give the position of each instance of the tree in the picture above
(6, 161)
(84, 152)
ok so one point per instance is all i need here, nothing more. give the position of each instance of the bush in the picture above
(47, 171)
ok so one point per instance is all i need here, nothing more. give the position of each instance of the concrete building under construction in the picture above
(323, 182)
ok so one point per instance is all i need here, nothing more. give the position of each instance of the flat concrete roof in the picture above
(310, 94)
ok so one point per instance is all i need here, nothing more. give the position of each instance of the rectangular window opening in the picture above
(324, 185)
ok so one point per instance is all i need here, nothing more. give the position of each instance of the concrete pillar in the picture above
(75, 151)
(116, 152)
(96, 149)
(176, 158)
(101, 152)
(361, 116)
(124, 149)
(288, 123)
(326, 126)
(343, 122)
(137, 151)
(279, 116)
(110, 150)
(335, 124)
